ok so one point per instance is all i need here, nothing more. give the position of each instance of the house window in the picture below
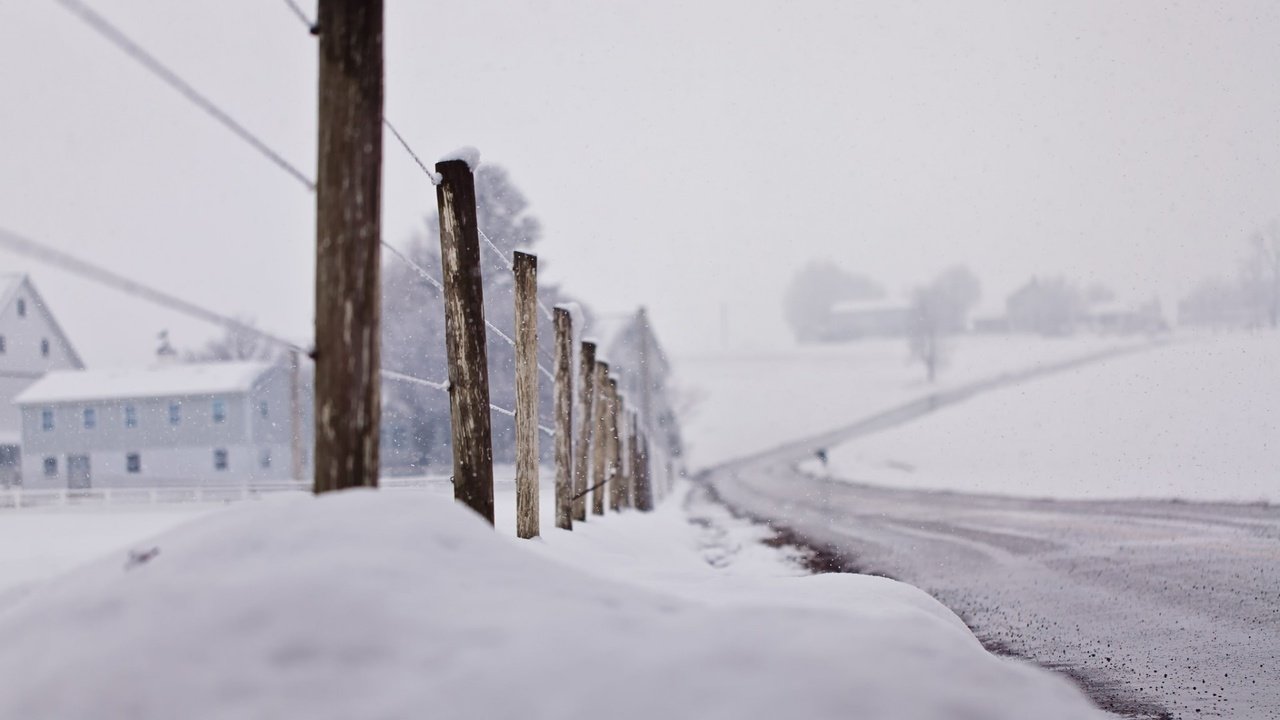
(44, 347)
(90, 419)
(130, 416)
(175, 413)
(264, 458)
(51, 467)
(2, 347)
(220, 459)
(22, 307)
(133, 462)
(262, 408)
(219, 411)
(46, 419)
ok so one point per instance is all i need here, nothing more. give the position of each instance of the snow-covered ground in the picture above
(752, 401)
(38, 544)
(1198, 419)
(402, 604)
(397, 603)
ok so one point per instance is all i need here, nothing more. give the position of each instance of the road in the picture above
(1159, 609)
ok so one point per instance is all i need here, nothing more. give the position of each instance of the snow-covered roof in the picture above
(176, 380)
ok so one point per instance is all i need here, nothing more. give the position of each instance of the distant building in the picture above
(1053, 306)
(1114, 318)
(31, 344)
(1049, 306)
(172, 424)
(854, 320)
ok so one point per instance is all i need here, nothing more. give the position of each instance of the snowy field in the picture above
(1197, 419)
(749, 402)
(402, 604)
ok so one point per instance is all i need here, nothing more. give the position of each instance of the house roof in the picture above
(11, 283)
(176, 380)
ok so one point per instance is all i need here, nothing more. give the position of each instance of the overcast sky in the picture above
(684, 155)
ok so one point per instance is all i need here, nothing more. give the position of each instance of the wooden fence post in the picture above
(646, 373)
(465, 338)
(348, 253)
(600, 458)
(627, 441)
(616, 417)
(645, 492)
(526, 320)
(586, 425)
(564, 418)
(633, 457)
(297, 461)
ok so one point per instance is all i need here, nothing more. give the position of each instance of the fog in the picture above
(890, 360)
(686, 157)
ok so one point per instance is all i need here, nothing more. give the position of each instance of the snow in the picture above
(175, 380)
(383, 604)
(1196, 420)
(36, 545)
(468, 155)
(751, 401)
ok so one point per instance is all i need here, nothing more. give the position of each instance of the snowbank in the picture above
(1194, 420)
(370, 604)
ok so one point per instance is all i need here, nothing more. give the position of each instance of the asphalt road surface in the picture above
(1158, 609)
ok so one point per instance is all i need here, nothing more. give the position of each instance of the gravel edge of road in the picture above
(825, 558)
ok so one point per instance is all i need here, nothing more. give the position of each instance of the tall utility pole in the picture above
(296, 459)
(348, 232)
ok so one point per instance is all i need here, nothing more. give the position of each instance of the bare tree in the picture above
(956, 291)
(815, 289)
(417, 418)
(1261, 275)
(930, 314)
(939, 309)
(235, 345)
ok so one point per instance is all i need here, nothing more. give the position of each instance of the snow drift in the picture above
(368, 604)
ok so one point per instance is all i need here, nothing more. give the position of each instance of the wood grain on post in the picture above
(297, 461)
(600, 456)
(586, 427)
(526, 317)
(645, 493)
(348, 232)
(616, 418)
(465, 338)
(563, 323)
(633, 461)
(646, 373)
(627, 461)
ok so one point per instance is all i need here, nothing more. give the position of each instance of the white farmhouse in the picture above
(31, 344)
(173, 424)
